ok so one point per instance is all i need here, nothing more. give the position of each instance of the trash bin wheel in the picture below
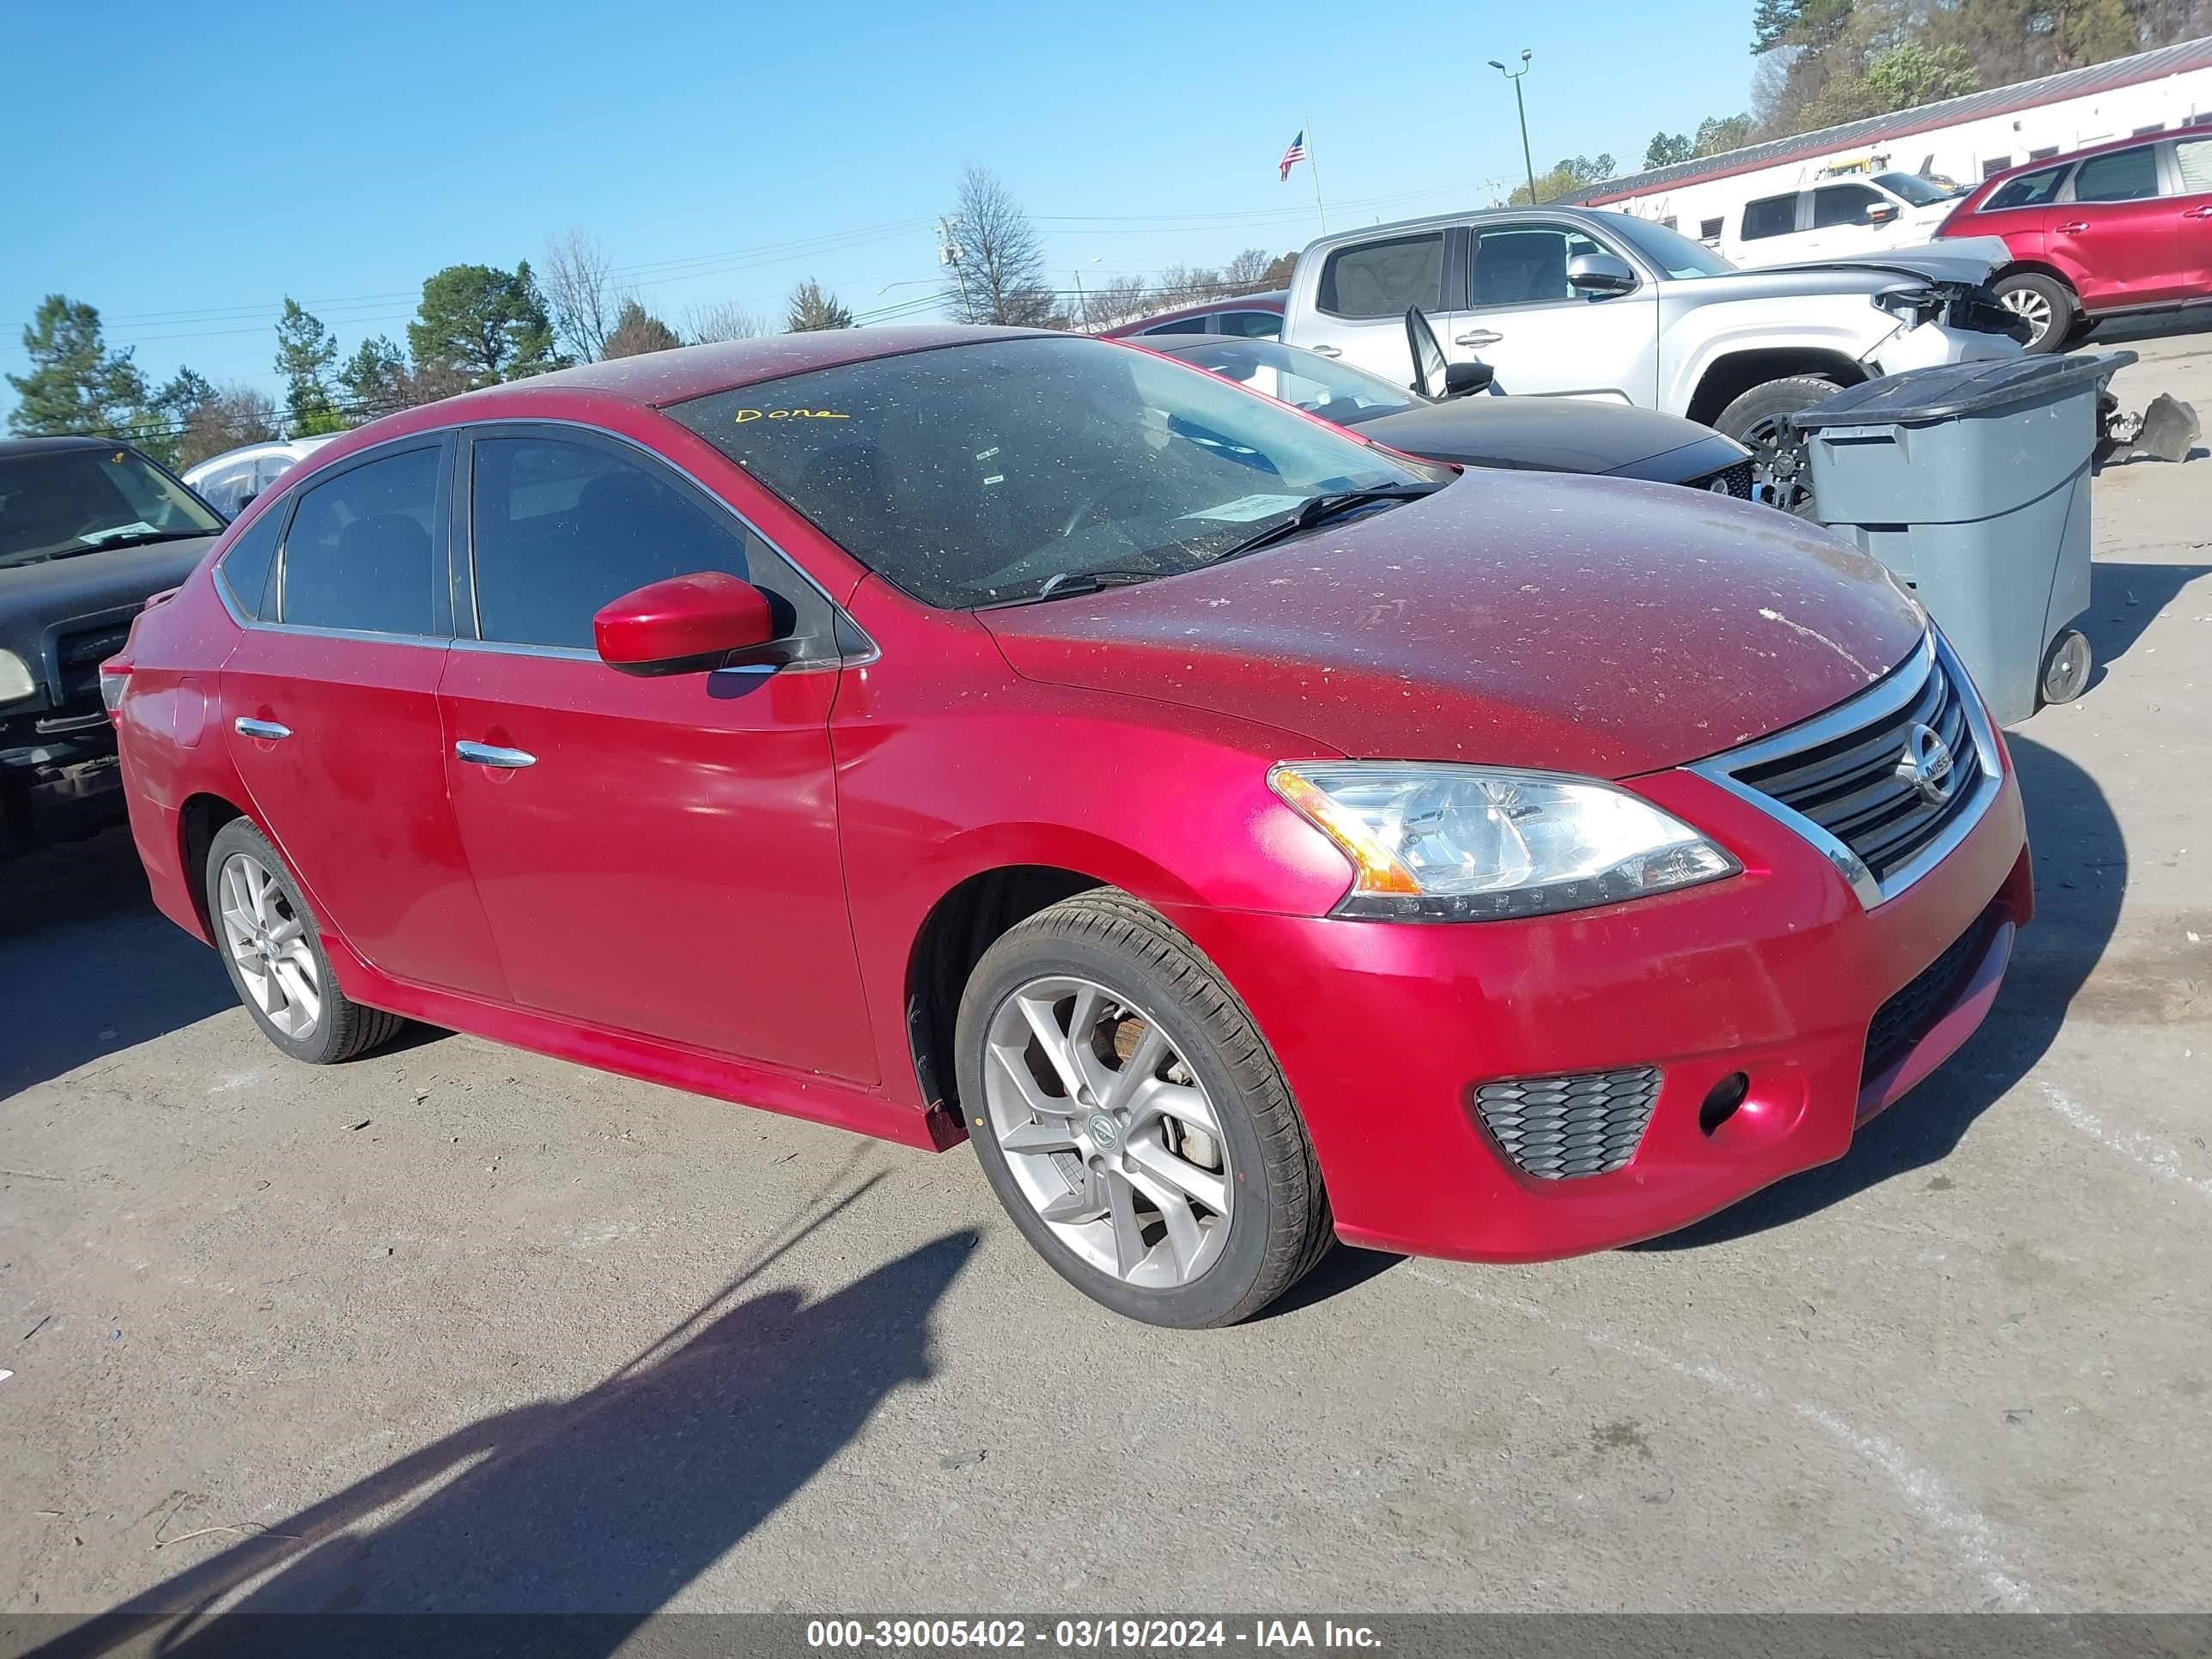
(2045, 304)
(1781, 474)
(2065, 667)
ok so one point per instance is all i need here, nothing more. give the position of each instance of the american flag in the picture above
(1293, 155)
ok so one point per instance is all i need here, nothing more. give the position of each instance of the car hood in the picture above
(1517, 619)
(36, 598)
(1554, 435)
(1967, 259)
(1961, 262)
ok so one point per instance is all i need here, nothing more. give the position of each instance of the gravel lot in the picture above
(460, 1327)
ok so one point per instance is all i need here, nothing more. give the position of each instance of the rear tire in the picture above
(1758, 421)
(1173, 1183)
(2047, 305)
(271, 947)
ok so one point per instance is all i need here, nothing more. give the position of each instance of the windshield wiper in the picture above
(1089, 581)
(1318, 509)
(143, 538)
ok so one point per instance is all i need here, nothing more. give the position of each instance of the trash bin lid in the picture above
(1951, 391)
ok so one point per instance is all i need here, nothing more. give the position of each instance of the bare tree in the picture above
(724, 319)
(1122, 300)
(578, 282)
(1248, 273)
(235, 415)
(997, 257)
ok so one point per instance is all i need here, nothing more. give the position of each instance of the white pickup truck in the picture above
(1573, 302)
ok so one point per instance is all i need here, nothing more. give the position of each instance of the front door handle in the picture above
(1325, 351)
(2204, 212)
(488, 753)
(2073, 227)
(267, 730)
(1480, 336)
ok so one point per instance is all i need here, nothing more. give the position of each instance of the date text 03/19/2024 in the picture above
(1081, 1635)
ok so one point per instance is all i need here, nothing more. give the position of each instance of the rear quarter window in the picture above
(246, 564)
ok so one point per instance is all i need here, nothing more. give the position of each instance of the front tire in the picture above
(1132, 1121)
(2046, 304)
(271, 947)
(1758, 420)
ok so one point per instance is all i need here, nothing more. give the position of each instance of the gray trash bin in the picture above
(1971, 481)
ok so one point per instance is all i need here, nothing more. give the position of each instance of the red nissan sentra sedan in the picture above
(1244, 835)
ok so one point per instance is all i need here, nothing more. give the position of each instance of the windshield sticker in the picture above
(141, 528)
(1245, 508)
(745, 415)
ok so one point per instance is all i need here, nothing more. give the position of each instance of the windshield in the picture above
(59, 502)
(1917, 191)
(974, 475)
(1669, 251)
(1335, 390)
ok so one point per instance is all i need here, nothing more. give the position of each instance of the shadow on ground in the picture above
(2126, 598)
(88, 965)
(2080, 871)
(606, 1504)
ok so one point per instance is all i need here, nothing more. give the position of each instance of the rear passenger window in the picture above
(1773, 215)
(1384, 279)
(558, 528)
(2125, 175)
(2029, 190)
(245, 565)
(359, 554)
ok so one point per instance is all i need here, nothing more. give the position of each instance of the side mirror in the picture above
(687, 625)
(1464, 380)
(1600, 275)
(1881, 213)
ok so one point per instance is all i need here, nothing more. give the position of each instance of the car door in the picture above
(1540, 333)
(2191, 174)
(1841, 221)
(2117, 239)
(1362, 294)
(331, 712)
(656, 855)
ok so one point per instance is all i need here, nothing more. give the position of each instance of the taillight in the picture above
(114, 680)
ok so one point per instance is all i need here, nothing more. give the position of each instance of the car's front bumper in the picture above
(1385, 1031)
(55, 785)
(1931, 343)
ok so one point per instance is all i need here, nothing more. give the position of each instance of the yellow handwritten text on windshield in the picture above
(745, 415)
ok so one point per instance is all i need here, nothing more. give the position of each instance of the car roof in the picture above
(1581, 215)
(302, 447)
(12, 449)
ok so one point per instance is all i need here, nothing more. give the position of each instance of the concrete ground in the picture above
(458, 1326)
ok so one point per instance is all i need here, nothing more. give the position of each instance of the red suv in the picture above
(2123, 226)
(1244, 834)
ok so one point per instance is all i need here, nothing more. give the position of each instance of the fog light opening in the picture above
(1721, 1100)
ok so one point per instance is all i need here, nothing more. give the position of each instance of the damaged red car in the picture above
(1245, 835)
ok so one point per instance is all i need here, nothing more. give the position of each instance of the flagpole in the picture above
(1319, 209)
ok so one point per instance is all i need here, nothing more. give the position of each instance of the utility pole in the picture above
(1514, 76)
(948, 254)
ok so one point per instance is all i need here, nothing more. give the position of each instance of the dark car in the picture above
(1529, 435)
(1246, 316)
(89, 528)
(2125, 226)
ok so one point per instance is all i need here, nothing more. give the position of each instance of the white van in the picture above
(1838, 218)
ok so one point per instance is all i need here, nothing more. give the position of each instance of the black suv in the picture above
(90, 529)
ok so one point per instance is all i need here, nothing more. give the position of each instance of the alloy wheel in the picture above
(2027, 304)
(1108, 1132)
(1780, 475)
(268, 945)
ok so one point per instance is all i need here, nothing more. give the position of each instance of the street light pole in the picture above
(1522, 109)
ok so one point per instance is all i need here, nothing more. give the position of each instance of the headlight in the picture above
(15, 681)
(1910, 303)
(1460, 844)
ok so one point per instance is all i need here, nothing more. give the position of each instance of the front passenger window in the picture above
(359, 555)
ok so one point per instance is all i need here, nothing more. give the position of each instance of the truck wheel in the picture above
(2046, 305)
(1132, 1120)
(1758, 421)
(2066, 666)
(273, 949)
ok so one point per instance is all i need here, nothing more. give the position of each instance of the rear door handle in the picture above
(488, 753)
(1325, 351)
(1480, 336)
(267, 730)
(2073, 227)
(2204, 212)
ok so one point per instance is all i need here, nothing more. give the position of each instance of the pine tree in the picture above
(812, 308)
(305, 355)
(75, 384)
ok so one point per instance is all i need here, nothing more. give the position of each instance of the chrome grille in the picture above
(1847, 780)
(78, 655)
(1556, 1127)
(1736, 480)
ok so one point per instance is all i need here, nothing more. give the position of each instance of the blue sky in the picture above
(183, 167)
